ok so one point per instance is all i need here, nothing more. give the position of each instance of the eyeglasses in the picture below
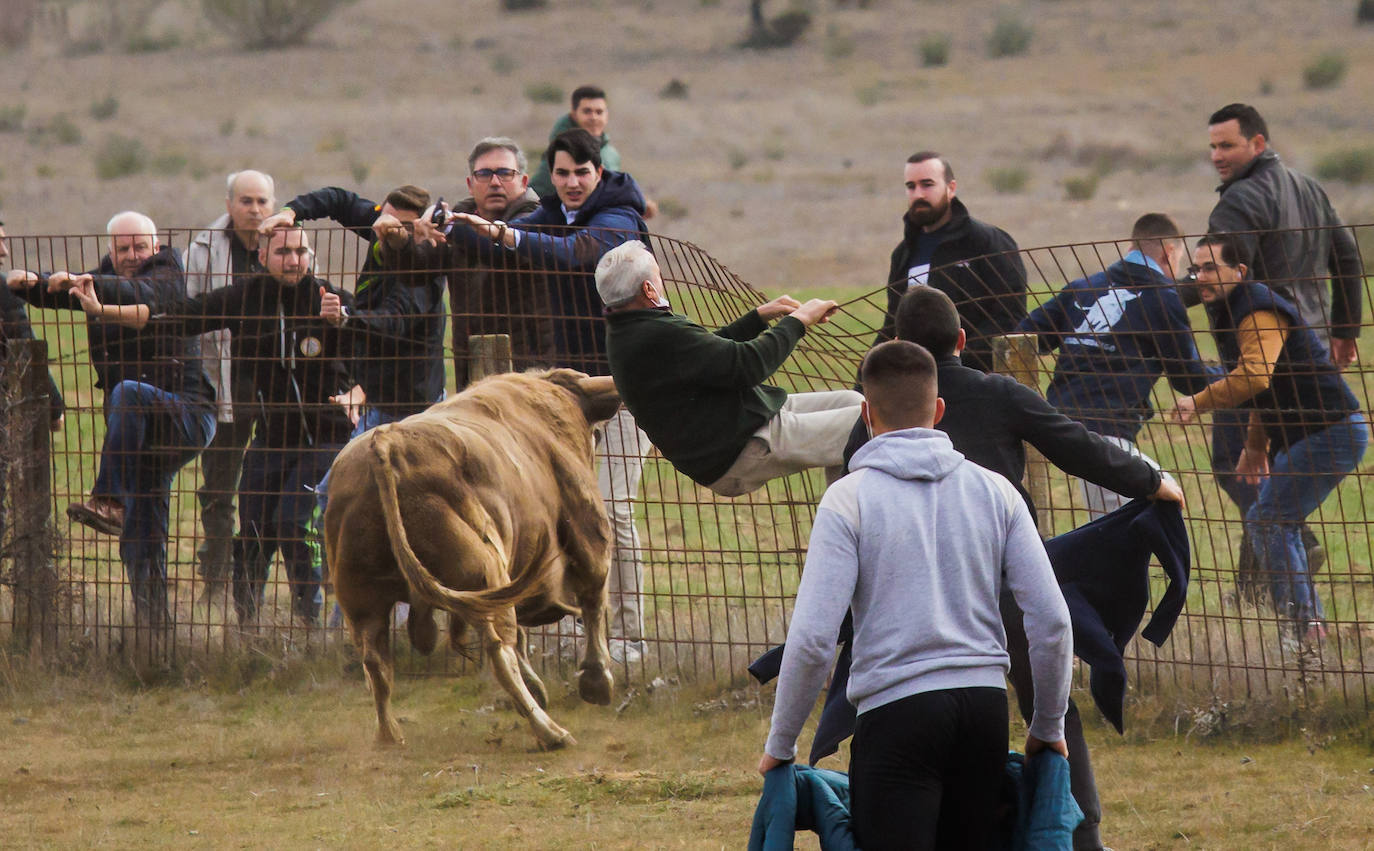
(504, 174)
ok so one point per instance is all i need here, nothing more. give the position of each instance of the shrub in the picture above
(839, 44)
(1325, 71)
(120, 156)
(1007, 180)
(359, 170)
(1364, 12)
(142, 42)
(523, 5)
(105, 108)
(226, 127)
(544, 92)
(62, 130)
(934, 50)
(1080, 187)
(1010, 37)
(1353, 165)
(169, 163)
(502, 64)
(782, 31)
(336, 141)
(12, 118)
(738, 159)
(267, 24)
(674, 90)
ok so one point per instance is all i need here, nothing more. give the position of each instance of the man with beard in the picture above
(939, 249)
(159, 408)
(225, 252)
(300, 381)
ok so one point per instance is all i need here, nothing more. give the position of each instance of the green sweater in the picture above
(542, 182)
(698, 395)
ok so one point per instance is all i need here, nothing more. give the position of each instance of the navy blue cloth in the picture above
(1040, 812)
(1103, 570)
(1117, 332)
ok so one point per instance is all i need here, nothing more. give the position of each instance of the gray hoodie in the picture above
(920, 542)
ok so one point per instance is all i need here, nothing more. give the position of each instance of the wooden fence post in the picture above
(28, 484)
(488, 354)
(1017, 355)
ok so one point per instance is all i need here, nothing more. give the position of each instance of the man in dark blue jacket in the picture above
(1117, 332)
(593, 211)
(1305, 432)
(159, 407)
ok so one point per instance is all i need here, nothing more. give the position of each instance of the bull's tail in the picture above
(485, 537)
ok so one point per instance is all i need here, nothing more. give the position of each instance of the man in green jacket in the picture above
(700, 396)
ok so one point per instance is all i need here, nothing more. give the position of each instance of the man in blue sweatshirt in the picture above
(1117, 332)
(920, 542)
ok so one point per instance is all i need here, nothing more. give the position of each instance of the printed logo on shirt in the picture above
(1101, 318)
(917, 276)
(311, 347)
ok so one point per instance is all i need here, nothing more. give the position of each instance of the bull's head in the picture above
(596, 396)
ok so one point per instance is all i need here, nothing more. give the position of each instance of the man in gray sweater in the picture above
(919, 542)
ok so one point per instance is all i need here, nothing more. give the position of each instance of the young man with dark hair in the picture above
(589, 112)
(974, 263)
(593, 211)
(1305, 431)
(1117, 332)
(394, 329)
(930, 657)
(989, 419)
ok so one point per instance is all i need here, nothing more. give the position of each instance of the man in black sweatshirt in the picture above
(301, 383)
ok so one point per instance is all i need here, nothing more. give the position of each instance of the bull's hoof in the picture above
(564, 741)
(390, 738)
(594, 685)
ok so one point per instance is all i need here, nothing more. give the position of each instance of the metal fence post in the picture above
(1017, 355)
(29, 486)
(488, 354)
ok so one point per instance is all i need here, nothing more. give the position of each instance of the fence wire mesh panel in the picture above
(242, 561)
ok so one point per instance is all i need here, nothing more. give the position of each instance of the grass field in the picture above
(287, 761)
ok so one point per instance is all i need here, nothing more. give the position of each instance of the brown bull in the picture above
(485, 506)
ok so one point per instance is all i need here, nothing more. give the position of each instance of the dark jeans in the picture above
(150, 434)
(925, 771)
(1082, 782)
(1228, 439)
(221, 465)
(276, 511)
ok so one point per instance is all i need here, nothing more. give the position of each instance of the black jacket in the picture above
(1280, 203)
(168, 361)
(395, 333)
(988, 416)
(14, 325)
(978, 266)
(296, 358)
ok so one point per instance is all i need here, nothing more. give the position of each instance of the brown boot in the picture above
(100, 513)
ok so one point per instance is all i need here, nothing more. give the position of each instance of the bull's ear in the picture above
(600, 398)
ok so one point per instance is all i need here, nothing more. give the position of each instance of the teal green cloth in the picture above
(542, 183)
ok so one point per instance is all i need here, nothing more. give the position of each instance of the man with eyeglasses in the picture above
(1305, 432)
(498, 295)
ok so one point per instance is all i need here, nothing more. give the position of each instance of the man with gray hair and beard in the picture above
(226, 252)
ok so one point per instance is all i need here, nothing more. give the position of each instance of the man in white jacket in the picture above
(223, 253)
(919, 542)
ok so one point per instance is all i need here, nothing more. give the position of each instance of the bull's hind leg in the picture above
(420, 626)
(499, 633)
(532, 681)
(372, 635)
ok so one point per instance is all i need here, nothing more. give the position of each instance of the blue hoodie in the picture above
(919, 542)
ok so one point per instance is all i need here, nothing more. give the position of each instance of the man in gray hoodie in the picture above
(919, 543)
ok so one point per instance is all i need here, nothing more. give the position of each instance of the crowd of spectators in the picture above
(241, 355)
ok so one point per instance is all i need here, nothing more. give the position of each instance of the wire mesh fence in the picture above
(718, 575)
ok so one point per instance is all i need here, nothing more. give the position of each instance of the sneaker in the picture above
(1315, 633)
(627, 652)
(99, 513)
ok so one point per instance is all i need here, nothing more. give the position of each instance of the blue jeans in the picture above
(1299, 480)
(150, 434)
(1228, 439)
